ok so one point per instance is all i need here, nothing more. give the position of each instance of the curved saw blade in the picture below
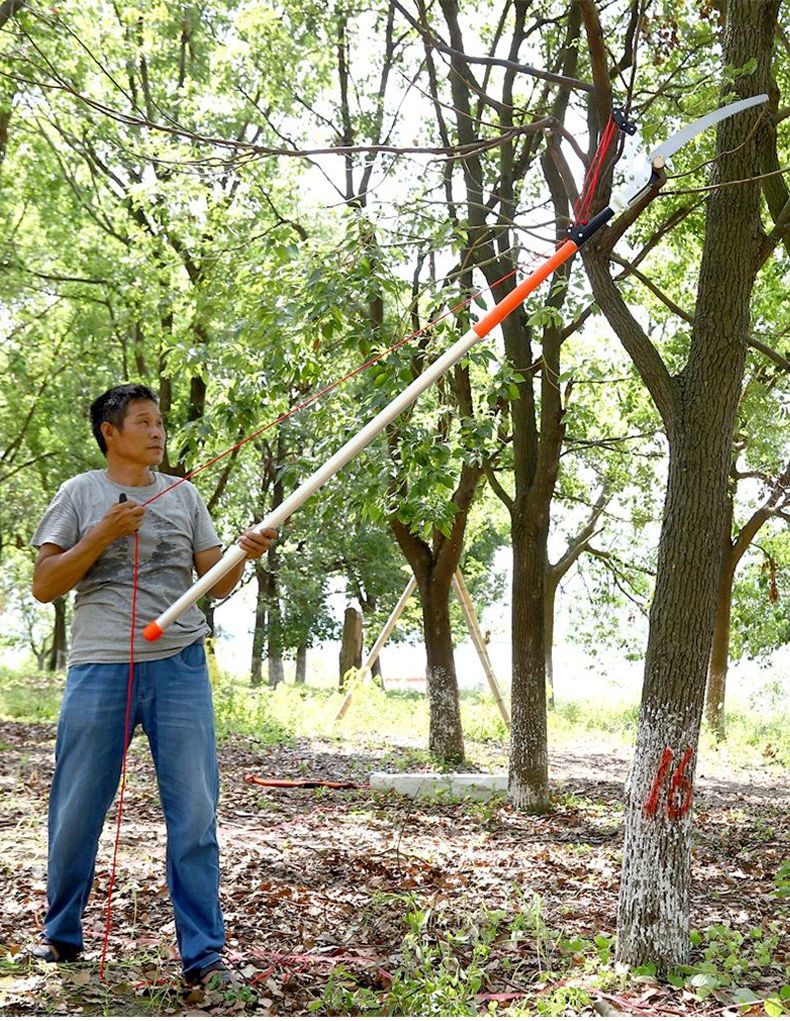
(679, 139)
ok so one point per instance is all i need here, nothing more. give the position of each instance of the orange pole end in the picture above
(152, 631)
(525, 288)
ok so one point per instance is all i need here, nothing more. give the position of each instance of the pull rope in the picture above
(236, 446)
(583, 204)
(126, 735)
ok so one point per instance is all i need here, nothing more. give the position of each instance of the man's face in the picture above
(141, 439)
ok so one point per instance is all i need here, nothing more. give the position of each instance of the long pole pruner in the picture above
(641, 183)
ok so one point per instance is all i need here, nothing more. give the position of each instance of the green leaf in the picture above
(773, 1008)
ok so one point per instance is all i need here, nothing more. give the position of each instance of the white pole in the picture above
(369, 432)
(327, 470)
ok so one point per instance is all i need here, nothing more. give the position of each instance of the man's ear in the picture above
(107, 430)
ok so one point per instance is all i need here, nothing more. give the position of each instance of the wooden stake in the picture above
(367, 666)
(479, 642)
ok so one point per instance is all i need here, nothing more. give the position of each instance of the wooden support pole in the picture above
(394, 617)
(479, 642)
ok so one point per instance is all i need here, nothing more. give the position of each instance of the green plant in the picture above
(725, 958)
(782, 881)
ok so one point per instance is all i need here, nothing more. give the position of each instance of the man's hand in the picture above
(121, 519)
(256, 543)
(58, 570)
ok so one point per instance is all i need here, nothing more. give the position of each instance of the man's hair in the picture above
(112, 405)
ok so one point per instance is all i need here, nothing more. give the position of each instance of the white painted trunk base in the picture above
(475, 786)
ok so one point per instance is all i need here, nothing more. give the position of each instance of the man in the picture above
(86, 542)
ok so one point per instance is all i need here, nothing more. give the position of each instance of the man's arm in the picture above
(58, 570)
(255, 544)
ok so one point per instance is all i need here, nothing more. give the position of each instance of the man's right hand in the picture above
(122, 519)
(58, 570)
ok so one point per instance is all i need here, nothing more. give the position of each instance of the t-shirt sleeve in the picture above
(204, 535)
(59, 524)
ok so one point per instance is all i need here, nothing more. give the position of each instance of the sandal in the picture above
(52, 951)
(212, 976)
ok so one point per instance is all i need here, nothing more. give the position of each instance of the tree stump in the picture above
(351, 645)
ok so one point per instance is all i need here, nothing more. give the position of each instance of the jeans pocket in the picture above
(193, 656)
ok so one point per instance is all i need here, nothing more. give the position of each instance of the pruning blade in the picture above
(679, 139)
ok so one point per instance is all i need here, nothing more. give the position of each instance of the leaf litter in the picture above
(325, 890)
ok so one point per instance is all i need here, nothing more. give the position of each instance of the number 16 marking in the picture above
(679, 793)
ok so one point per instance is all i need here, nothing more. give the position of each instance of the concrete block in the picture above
(475, 786)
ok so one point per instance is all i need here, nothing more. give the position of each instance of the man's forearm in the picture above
(228, 582)
(58, 573)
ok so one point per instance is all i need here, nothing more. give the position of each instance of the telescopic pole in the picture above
(370, 431)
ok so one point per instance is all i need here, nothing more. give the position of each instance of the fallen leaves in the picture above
(317, 883)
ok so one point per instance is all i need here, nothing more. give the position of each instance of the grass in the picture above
(401, 718)
(30, 697)
(445, 958)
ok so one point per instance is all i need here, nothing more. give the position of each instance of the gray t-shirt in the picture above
(174, 528)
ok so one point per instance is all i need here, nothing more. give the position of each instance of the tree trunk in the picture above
(445, 735)
(259, 631)
(274, 643)
(699, 408)
(528, 781)
(59, 649)
(720, 648)
(300, 675)
(549, 603)
(351, 644)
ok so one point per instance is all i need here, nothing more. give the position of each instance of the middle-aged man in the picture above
(86, 542)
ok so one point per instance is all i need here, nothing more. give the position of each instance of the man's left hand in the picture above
(255, 543)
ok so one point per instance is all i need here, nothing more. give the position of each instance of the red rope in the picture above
(122, 788)
(584, 202)
(236, 446)
(332, 386)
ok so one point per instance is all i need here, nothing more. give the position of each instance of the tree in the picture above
(698, 405)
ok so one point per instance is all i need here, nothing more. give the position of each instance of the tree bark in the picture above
(720, 651)
(433, 566)
(699, 408)
(300, 675)
(528, 782)
(259, 630)
(59, 649)
(274, 645)
(445, 736)
(720, 646)
(549, 602)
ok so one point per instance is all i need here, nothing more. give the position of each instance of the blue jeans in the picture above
(171, 700)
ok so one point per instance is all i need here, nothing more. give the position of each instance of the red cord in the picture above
(331, 386)
(236, 446)
(122, 788)
(584, 202)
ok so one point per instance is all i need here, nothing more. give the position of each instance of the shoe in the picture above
(52, 951)
(211, 976)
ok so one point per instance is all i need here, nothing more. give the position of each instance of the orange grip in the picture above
(526, 287)
(152, 631)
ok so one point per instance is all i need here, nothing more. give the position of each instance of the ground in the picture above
(350, 902)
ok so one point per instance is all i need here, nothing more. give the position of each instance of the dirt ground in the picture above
(316, 880)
